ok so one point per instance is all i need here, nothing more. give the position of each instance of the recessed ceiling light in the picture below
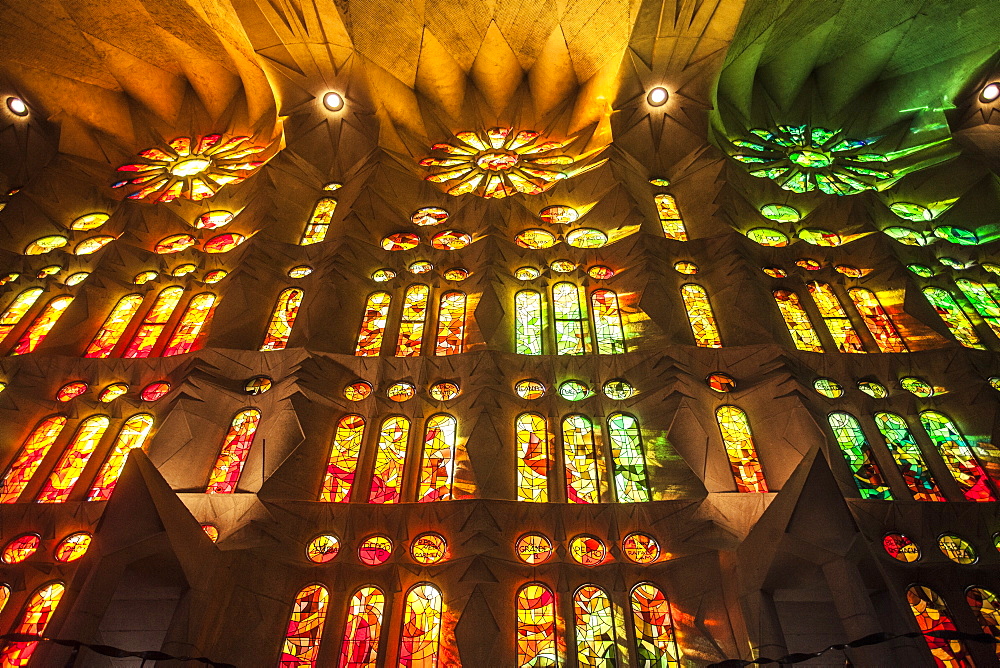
(17, 106)
(333, 101)
(657, 97)
(990, 92)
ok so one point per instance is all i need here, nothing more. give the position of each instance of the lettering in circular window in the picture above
(533, 548)
(573, 390)
(429, 548)
(558, 214)
(215, 275)
(873, 389)
(90, 221)
(358, 390)
(213, 220)
(144, 277)
(917, 387)
(451, 240)
(323, 548)
(183, 270)
(775, 272)
(20, 548)
(901, 548)
(383, 275)
(420, 267)
(618, 389)
(445, 391)
(957, 549)
(46, 244)
(526, 273)
(300, 271)
(601, 272)
(375, 550)
(781, 213)
(530, 389)
(73, 546)
(401, 391)
(457, 274)
(586, 237)
(768, 237)
(685, 267)
(535, 239)
(92, 245)
(174, 244)
(641, 548)
(112, 392)
(429, 215)
(72, 390)
(588, 550)
(400, 241)
(562, 266)
(828, 387)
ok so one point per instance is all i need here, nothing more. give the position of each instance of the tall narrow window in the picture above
(536, 627)
(67, 472)
(608, 328)
(42, 325)
(958, 456)
(33, 620)
(153, 324)
(196, 316)
(740, 448)
(30, 457)
(909, 459)
(700, 316)
(670, 217)
(932, 614)
(437, 473)
(528, 323)
(418, 643)
(656, 643)
(595, 628)
(953, 316)
(364, 623)
(319, 221)
(451, 324)
(984, 303)
(132, 435)
(835, 317)
(877, 321)
(411, 327)
(986, 607)
(580, 460)
(859, 456)
(343, 459)
(387, 478)
(373, 324)
(113, 328)
(569, 319)
(532, 458)
(305, 628)
(17, 310)
(797, 321)
(226, 472)
(631, 481)
(282, 319)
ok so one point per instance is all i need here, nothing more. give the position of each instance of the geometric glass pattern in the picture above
(740, 448)
(532, 457)
(909, 459)
(305, 628)
(373, 324)
(595, 628)
(931, 614)
(66, 473)
(418, 644)
(858, 454)
(40, 327)
(670, 218)
(282, 319)
(30, 457)
(536, 627)
(580, 457)
(835, 317)
(607, 323)
(111, 331)
(631, 482)
(17, 310)
(343, 459)
(528, 321)
(877, 320)
(411, 328)
(986, 606)
(700, 316)
(196, 316)
(654, 628)
(361, 633)
(451, 324)
(569, 320)
(387, 478)
(797, 320)
(956, 320)
(957, 456)
(132, 435)
(982, 301)
(154, 323)
(226, 472)
(73, 546)
(437, 473)
(319, 222)
(20, 548)
(33, 620)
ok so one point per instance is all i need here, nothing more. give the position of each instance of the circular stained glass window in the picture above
(420, 267)
(600, 272)
(809, 264)
(323, 548)
(20, 548)
(588, 550)
(71, 390)
(358, 390)
(223, 243)
(92, 245)
(300, 271)
(641, 548)
(401, 391)
(818, 237)
(721, 382)
(526, 273)
(90, 221)
(457, 274)
(775, 272)
(73, 546)
(873, 389)
(375, 550)
(46, 244)
(618, 389)
(533, 548)
(910, 211)
(586, 237)
(957, 549)
(921, 270)
(183, 270)
(383, 275)
(174, 244)
(562, 266)
(213, 220)
(849, 271)
(917, 386)
(535, 239)
(211, 531)
(215, 275)
(529, 389)
(400, 241)
(155, 390)
(112, 392)
(995, 382)
(901, 548)
(429, 548)
(828, 387)
(684, 267)
(257, 385)
(429, 215)
(144, 277)
(444, 391)
(559, 214)
(781, 213)
(451, 240)
(573, 390)
(768, 237)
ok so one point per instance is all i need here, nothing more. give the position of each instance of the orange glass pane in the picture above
(740, 448)
(282, 319)
(73, 546)
(20, 548)
(197, 315)
(226, 472)
(359, 648)
(437, 471)
(373, 324)
(536, 627)
(132, 435)
(28, 459)
(17, 309)
(387, 478)
(319, 222)
(343, 459)
(67, 472)
(421, 635)
(375, 550)
(411, 327)
(42, 325)
(451, 324)
(305, 628)
(71, 391)
(153, 324)
(114, 326)
(34, 618)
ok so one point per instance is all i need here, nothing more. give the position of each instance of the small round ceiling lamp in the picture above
(657, 97)
(17, 106)
(989, 93)
(333, 101)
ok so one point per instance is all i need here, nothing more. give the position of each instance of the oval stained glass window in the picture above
(533, 548)
(223, 243)
(530, 389)
(175, 243)
(445, 391)
(451, 240)
(957, 235)
(828, 387)
(781, 213)
(600, 272)
(808, 264)
(991, 267)
(995, 382)
(112, 392)
(818, 237)
(72, 390)
(429, 548)
(215, 275)
(906, 236)
(90, 221)
(323, 548)
(917, 387)
(358, 390)
(92, 245)
(921, 270)
(559, 214)
(213, 220)
(144, 277)
(429, 215)
(375, 550)
(775, 272)
(73, 547)
(420, 267)
(618, 389)
(686, 268)
(640, 548)
(562, 266)
(911, 211)
(901, 548)
(211, 531)
(768, 237)
(46, 244)
(300, 271)
(873, 389)
(457, 274)
(183, 270)
(20, 548)
(401, 391)
(51, 270)
(383, 275)
(849, 271)
(573, 390)
(535, 239)
(257, 385)
(957, 549)
(721, 382)
(586, 237)
(400, 241)
(155, 391)
(526, 273)
(588, 550)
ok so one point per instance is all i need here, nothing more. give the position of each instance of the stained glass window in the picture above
(580, 457)
(559, 214)
(700, 316)
(428, 215)
(343, 462)
(909, 459)
(282, 319)
(361, 633)
(858, 453)
(797, 321)
(533, 548)
(536, 627)
(958, 456)
(375, 550)
(30, 457)
(373, 324)
(418, 643)
(528, 319)
(196, 316)
(114, 326)
(73, 547)
(736, 436)
(608, 328)
(530, 389)
(387, 478)
(982, 301)
(319, 221)
(631, 481)
(573, 390)
(33, 620)
(112, 392)
(17, 309)
(429, 548)
(451, 324)
(986, 606)
(67, 472)
(358, 390)
(618, 389)
(586, 237)
(20, 548)
(226, 472)
(437, 473)
(257, 385)
(154, 323)
(901, 548)
(400, 241)
(670, 218)
(656, 643)
(957, 549)
(532, 437)
(641, 548)
(588, 550)
(71, 391)
(877, 321)
(323, 548)
(444, 391)
(835, 317)
(569, 320)
(450, 240)
(595, 628)
(400, 392)
(42, 325)
(305, 628)
(946, 306)
(932, 614)
(829, 388)
(411, 327)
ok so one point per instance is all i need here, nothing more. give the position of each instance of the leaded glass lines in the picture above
(958, 457)
(373, 324)
(359, 648)
(670, 217)
(421, 635)
(153, 324)
(411, 326)
(656, 643)
(700, 316)
(197, 315)
(319, 222)
(595, 628)
(740, 449)
(954, 317)
(580, 460)
(797, 321)
(628, 459)
(982, 301)
(536, 627)
(451, 324)
(132, 435)
(860, 458)
(33, 621)
(279, 328)
(532, 437)
(931, 614)
(343, 463)
(229, 466)
(570, 322)
(910, 461)
(17, 309)
(305, 628)
(528, 319)
(114, 326)
(835, 317)
(30, 457)
(608, 328)
(437, 472)
(67, 472)
(42, 325)
(387, 478)
(882, 329)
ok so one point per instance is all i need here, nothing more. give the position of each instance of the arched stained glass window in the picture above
(364, 623)
(532, 457)
(859, 456)
(835, 317)
(411, 327)
(981, 299)
(595, 628)
(226, 472)
(387, 478)
(932, 614)
(608, 329)
(305, 628)
(700, 316)
(282, 319)
(631, 481)
(536, 627)
(42, 325)
(528, 321)
(114, 326)
(67, 472)
(958, 456)
(670, 217)
(580, 459)
(655, 640)
(33, 620)
(986, 606)
(132, 435)
(437, 473)
(421, 636)
(196, 316)
(343, 462)
(319, 221)
(740, 448)
(877, 321)
(154, 323)
(909, 459)
(797, 321)
(946, 306)
(451, 324)
(17, 309)
(30, 457)
(373, 324)
(569, 319)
